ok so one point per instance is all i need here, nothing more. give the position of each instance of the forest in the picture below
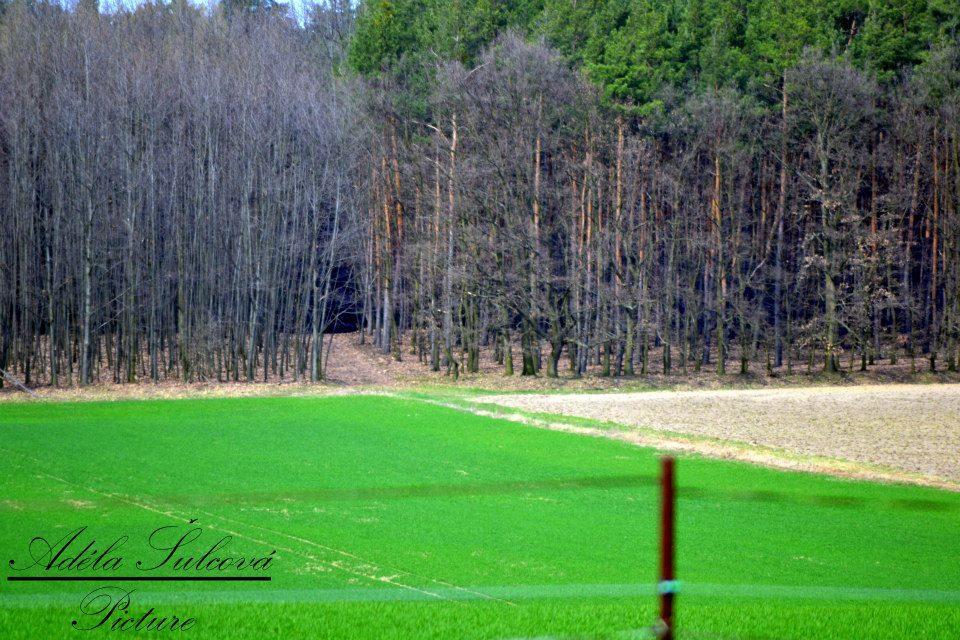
(603, 187)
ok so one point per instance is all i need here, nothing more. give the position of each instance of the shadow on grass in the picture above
(520, 487)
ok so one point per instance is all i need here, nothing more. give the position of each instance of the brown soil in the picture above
(354, 364)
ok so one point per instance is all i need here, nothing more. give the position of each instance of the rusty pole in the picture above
(667, 587)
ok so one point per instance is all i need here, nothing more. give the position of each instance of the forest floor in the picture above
(798, 374)
(351, 366)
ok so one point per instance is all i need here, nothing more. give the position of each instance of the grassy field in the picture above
(395, 518)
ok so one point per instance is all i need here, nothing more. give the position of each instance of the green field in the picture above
(395, 518)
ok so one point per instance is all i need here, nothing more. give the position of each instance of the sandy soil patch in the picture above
(910, 429)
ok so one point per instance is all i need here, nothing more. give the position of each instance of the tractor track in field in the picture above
(364, 569)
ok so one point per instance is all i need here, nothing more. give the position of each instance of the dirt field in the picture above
(908, 428)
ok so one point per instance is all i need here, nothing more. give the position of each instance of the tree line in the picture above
(200, 195)
(526, 211)
(177, 195)
(710, 179)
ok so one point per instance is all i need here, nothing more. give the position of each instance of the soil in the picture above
(354, 364)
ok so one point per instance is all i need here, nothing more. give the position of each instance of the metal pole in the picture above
(667, 586)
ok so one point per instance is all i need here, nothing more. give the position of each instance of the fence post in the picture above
(667, 586)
